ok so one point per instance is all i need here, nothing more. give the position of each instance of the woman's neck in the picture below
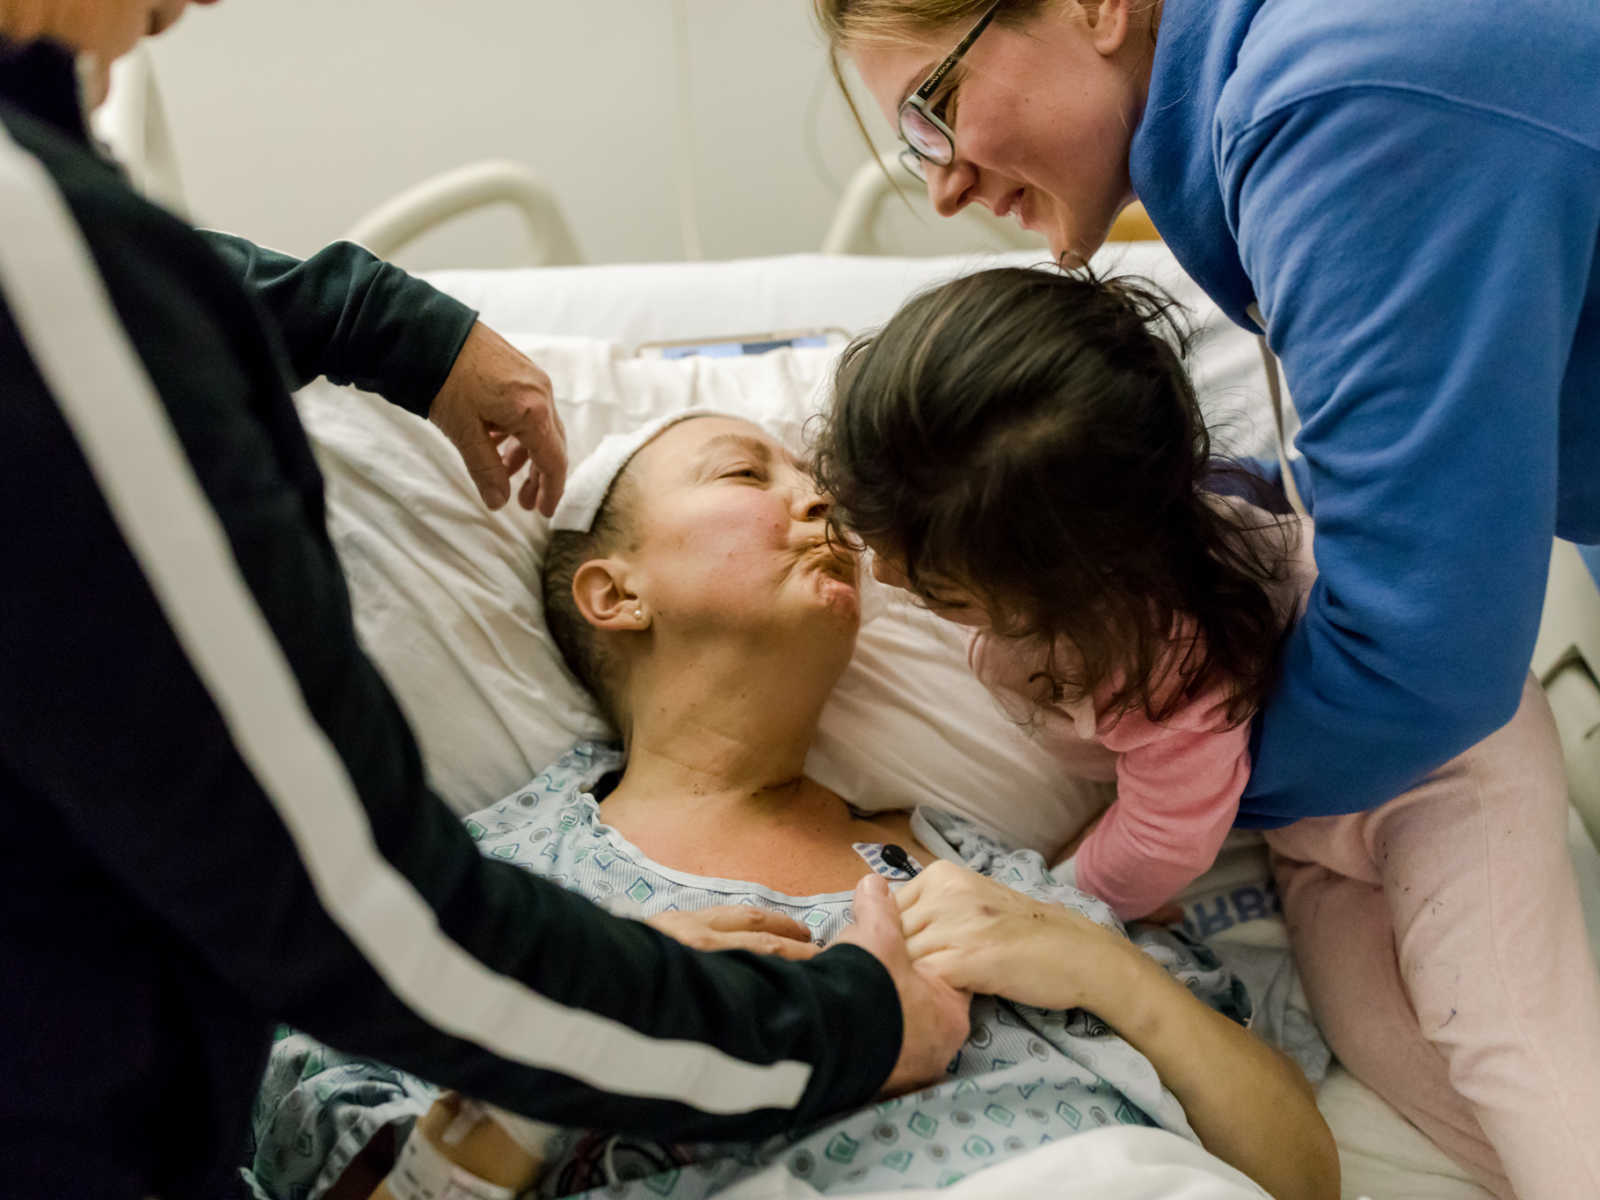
(732, 743)
(715, 782)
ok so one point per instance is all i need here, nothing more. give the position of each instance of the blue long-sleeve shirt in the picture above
(1410, 194)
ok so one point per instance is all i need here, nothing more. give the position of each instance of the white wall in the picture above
(294, 117)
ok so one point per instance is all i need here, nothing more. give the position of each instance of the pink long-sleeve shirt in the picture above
(1178, 780)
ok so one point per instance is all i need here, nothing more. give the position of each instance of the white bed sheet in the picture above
(1104, 1164)
(433, 575)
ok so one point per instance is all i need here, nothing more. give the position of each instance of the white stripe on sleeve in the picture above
(66, 317)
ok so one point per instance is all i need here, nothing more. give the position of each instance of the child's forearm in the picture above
(1249, 1105)
(1178, 789)
(1134, 873)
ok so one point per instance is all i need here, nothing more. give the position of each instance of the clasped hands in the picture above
(946, 934)
(960, 928)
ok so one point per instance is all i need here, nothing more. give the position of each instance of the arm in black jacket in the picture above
(354, 318)
(184, 690)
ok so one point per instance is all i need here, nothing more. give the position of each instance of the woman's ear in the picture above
(1107, 22)
(600, 590)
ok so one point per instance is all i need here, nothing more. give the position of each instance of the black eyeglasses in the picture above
(928, 139)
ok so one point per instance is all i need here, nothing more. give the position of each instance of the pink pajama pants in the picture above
(1443, 951)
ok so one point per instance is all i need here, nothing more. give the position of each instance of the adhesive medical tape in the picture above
(422, 1173)
(532, 1136)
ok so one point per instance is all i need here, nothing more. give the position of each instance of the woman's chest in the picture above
(796, 861)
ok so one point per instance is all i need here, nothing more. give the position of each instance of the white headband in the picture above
(592, 478)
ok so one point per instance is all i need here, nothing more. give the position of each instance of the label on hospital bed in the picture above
(740, 345)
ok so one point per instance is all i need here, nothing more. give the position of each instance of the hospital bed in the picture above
(582, 324)
(445, 598)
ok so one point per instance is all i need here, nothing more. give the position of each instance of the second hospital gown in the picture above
(1025, 1076)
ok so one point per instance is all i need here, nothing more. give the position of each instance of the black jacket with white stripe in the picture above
(182, 867)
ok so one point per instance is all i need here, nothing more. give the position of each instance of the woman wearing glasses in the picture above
(1405, 200)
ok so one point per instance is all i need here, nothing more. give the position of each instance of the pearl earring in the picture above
(638, 614)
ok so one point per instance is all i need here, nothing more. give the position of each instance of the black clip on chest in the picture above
(897, 858)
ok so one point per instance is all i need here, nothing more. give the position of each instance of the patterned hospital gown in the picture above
(1025, 1076)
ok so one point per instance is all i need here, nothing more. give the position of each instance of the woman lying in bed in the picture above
(693, 592)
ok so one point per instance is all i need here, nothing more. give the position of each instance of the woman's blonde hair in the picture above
(847, 23)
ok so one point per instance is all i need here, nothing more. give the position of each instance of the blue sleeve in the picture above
(1422, 268)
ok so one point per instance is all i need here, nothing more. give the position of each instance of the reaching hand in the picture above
(936, 1016)
(737, 927)
(495, 394)
(981, 935)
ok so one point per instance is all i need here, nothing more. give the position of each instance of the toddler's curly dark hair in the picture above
(1032, 436)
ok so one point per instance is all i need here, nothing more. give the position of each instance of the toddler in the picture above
(1023, 450)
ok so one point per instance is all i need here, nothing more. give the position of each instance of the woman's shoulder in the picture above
(562, 792)
(1304, 51)
(137, 244)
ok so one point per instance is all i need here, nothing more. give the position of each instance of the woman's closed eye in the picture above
(744, 471)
